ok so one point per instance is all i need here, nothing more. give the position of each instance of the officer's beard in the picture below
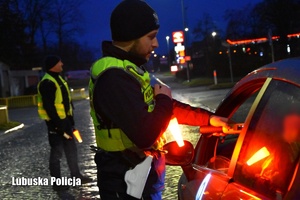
(135, 50)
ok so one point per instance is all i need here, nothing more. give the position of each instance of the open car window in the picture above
(226, 145)
(270, 150)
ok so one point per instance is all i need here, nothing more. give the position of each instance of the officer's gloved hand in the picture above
(63, 126)
(59, 126)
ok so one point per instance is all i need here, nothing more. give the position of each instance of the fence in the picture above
(31, 100)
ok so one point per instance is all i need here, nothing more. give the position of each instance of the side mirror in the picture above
(179, 156)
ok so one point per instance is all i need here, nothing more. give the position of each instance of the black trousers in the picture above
(60, 144)
(108, 195)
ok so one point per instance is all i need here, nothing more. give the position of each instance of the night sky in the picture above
(96, 14)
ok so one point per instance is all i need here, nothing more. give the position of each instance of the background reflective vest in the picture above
(115, 139)
(58, 102)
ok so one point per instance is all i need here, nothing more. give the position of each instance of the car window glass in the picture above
(271, 146)
(226, 145)
(241, 113)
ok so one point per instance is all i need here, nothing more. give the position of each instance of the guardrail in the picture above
(31, 100)
(19, 101)
(3, 114)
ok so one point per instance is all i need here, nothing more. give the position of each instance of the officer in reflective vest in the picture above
(55, 107)
(129, 115)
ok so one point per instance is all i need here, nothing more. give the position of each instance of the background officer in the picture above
(55, 107)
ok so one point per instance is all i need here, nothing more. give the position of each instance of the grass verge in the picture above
(198, 82)
(208, 82)
(9, 125)
(221, 86)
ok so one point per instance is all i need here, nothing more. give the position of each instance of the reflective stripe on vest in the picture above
(115, 139)
(60, 108)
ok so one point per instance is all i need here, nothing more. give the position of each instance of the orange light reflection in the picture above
(251, 195)
(259, 155)
(258, 40)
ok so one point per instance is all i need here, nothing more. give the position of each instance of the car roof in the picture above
(286, 70)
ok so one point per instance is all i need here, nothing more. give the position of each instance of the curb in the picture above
(12, 129)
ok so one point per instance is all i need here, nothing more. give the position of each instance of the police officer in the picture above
(129, 115)
(55, 107)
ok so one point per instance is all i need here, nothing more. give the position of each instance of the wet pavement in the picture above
(25, 153)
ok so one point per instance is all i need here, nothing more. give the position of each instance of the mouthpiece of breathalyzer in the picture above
(154, 80)
(67, 136)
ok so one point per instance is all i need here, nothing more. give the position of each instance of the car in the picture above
(77, 74)
(260, 159)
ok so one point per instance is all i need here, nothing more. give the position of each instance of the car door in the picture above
(235, 106)
(208, 178)
(264, 164)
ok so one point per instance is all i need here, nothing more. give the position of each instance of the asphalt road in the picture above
(25, 153)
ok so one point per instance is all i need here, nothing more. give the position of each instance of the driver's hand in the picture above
(162, 89)
(218, 121)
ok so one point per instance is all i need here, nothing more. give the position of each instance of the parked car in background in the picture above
(262, 160)
(77, 74)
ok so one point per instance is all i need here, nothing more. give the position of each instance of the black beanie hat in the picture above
(51, 61)
(132, 19)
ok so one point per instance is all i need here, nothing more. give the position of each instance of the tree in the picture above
(283, 16)
(34, 12)
(244, 23)
(12, 33)
(208, 45)
(65, 19)
(204, 27)
(30, 29)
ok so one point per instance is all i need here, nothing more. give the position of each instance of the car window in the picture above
(271, 146)
(226, 145)
(242, 112)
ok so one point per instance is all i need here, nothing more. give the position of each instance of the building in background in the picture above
(4, 80)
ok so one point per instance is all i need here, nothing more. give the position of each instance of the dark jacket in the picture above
(47, 90)
(117, 95)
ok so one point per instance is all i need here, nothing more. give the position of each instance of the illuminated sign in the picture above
(181, 53)
(178, 37)
(174, 68)
(179, 47)
(187, 58)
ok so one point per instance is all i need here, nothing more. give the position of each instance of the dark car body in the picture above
(262, 162)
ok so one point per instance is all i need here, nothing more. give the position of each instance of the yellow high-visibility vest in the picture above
(115, 139)
(58, 102)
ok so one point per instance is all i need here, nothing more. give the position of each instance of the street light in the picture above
(183, 14)
(185, 34)
(214, 33)
(225, 44)
(168, 48)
